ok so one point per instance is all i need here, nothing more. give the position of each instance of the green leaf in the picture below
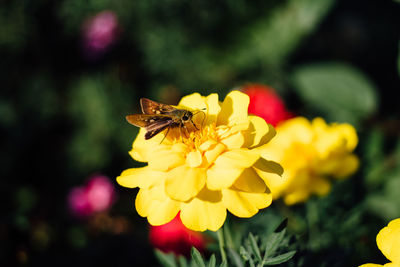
(272, 243)
(196, 256)
(224, 264)
(182, 261)
(275, 37)
(243, 252)
(236, 258)
(254, 247)
(167, 260)
(280, 259)
(212, 261)
(340, 91)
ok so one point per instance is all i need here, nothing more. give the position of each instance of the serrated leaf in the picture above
(243, 252)
(196, 256)
(254, 247)
(212, 261)
(167, 260)
(341, 92)
(236, 258)
(272, 242)
(280, 259)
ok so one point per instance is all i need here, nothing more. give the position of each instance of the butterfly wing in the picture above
(153, 124)
(154, 108)
(145, 120)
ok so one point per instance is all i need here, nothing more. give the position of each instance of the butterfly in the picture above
(157, 117)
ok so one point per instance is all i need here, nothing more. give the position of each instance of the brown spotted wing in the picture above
(157, 117)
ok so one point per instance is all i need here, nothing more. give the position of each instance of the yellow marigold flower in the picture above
(207, 172)
(388, 241)
(310, 152)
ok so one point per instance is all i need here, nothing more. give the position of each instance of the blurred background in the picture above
(71, 70)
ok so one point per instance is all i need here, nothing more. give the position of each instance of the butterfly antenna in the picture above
(204, 117)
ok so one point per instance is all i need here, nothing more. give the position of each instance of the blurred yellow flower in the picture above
(388, 241)
(310, 152)
(208, 171)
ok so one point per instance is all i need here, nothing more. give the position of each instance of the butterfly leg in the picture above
(194, 125)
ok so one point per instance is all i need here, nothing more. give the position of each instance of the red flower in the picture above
(266, 103)
(96, 196)
(175, 237)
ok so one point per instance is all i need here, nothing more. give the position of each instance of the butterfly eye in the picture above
(185, 118)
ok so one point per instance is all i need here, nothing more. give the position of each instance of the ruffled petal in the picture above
(296, 197)
(213, 109)
(205, 212)
(234, 109)
(193, 102)
(268, 166)
(156, 206)
(234, 141)
(140, 148)
(388, 240)
(183, 182)
(140, 177)
(259, 132)
(320, 185)
(250, 181)
(348, 165)
(165, 158)
(228, 166)
(194, 159)
(245, 204)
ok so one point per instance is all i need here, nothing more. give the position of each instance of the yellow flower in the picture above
(310, 152)
(207, 172)
(388, 240)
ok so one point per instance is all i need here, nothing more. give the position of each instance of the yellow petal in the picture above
(193, 102)
(244, 204)
(205, 212)
(388, 240)
(350, 134)
(228, 166)
(183, 182)
(156, 206)
(140, 148)
(296, 197)
(213, 151)
(234, 109)
(194, 159)
(213, 109)
(140, 177)
(234, 141)
(164, 158)
(320, 185)
(249, 181)
(348, 165)
(259, 132)
(268, 166)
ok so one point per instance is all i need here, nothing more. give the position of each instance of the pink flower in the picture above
(96, 196)
(175, 237)
(100, 32)
(266, 103)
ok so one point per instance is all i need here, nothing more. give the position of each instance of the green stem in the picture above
(221, 243)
